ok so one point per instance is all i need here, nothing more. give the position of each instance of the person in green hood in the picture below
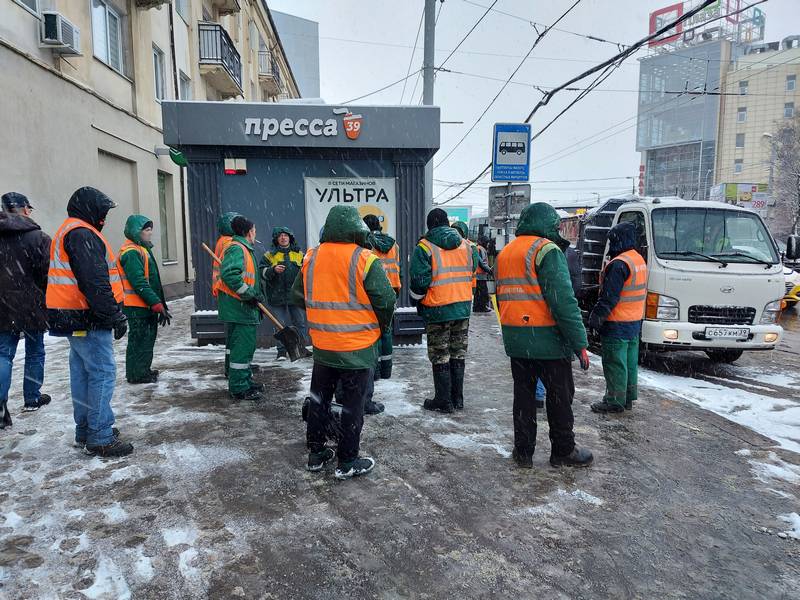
(441, 272)
(349, 302)
(279, 268)
(145, 305)
(225, 236)
(542, 329)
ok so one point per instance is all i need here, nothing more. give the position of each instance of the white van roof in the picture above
(650, 203)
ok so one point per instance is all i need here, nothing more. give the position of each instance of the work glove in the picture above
(256, 299)
(583, 358)
(120, 326)
(164, 317)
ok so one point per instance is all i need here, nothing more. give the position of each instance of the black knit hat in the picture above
(437, 218)
(13, 200)
(373, 222)
(241, 225)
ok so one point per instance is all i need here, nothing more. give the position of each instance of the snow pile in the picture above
(778, 469)
(794, 520)
(472, 442)
(561, 502)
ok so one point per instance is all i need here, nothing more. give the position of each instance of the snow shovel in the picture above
(288, 336)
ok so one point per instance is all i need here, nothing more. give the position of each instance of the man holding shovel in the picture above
(238, 296)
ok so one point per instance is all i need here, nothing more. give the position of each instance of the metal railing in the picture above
(268, 65)
(216, 48)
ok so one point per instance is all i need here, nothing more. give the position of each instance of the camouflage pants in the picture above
(447, 340)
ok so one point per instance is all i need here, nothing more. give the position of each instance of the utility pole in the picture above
(427, 86)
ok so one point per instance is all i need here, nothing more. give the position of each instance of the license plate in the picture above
(738, 333)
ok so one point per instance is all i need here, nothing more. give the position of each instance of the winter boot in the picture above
(80, 443)
(259, 387)
(605, 407)
(373, 408)
(317, 460)
(354, 468)
(282, 355)
(154, 374)
(5, 416)
(522, 460)
(442, 384)
(115, 449)
(628, 404)
(579, 457)
(44, 400)
(249, 394)
(254, 368)
(386, 369)
(457, 383)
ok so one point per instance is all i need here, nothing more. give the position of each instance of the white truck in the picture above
(715, 279)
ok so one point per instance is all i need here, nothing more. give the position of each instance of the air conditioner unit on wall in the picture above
(59, 34)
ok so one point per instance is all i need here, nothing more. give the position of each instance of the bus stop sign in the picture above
(511, 156)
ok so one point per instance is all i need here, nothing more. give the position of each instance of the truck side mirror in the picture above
(793, 247)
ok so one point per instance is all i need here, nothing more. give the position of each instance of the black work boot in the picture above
(373, 408)
(386, 369)
(629, 404)
(522, 460)
(607, 407)
(579, 457)
(441, 384)
(113, 449)
(457, 383)
(317, 460)
(5, 416)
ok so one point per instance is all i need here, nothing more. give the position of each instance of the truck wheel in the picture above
(724, 356)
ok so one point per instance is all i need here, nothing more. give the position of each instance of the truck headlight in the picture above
(771, 313)
(662, 308)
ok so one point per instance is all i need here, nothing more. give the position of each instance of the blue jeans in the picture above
(289, 314)
(92, 375)
(540, 391)
(34, 364)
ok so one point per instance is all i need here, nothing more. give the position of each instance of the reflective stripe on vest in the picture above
(632, 299)
(131, 297)
(219, 249)
(62, 285)
(248, 272)
(451, 274)
(336, 299)
(518, 291)
(391, 264)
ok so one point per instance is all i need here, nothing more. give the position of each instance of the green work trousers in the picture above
(242, 345)
(142, 332)
(621, 369)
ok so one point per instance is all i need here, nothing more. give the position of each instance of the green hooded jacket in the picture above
(344, 225)
(568, 335)
(446, 238)
(224, 223)
(278, 286)
(149, 289)
(383, 242)
(229, 308)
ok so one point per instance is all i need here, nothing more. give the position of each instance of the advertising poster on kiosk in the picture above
(370, 195)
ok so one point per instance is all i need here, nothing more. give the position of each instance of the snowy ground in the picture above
(695, 494)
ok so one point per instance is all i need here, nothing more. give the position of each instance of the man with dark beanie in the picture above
(441, 272)
(238, 294)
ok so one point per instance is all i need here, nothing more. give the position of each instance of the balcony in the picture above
(147, 4)
(269, 74)
(226, 7)
(220, 63)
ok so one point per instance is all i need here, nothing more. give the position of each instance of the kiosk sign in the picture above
(511, 156)
(370, 195)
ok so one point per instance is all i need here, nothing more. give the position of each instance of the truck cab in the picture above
(715, 278)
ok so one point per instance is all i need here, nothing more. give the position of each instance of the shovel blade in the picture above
(292, 341)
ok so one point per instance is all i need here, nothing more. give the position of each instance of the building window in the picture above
(31, 5)
(185, 86)
(788, 110)
(741, 115)
(182, 7)
(159, 74)
(740, 140)
(254, 36)
(107, 35)
(738, 165)
(166, 216)
(791, 83)
(743, 88)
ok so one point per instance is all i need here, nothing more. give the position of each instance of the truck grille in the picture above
(722, 315)
(789, 288)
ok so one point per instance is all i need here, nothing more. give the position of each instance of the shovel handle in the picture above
(261, 307)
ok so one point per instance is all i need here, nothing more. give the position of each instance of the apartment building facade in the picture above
(83, 82)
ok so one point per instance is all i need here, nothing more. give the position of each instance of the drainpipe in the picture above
(182, 172)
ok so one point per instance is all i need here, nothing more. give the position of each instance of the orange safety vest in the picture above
(131, 297)
(62, 285)
(248, 275)
(339, 313)
(631, 305)
(391, 264)
(451, 274)
(219, 249)
(518, 291)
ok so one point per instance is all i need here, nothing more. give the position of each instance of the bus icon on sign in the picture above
(513, 147)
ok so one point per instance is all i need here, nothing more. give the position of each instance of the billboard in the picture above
(458, 213)
(744, 27)
(659, 18)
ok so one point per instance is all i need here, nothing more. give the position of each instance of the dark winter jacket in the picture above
(24, 261)
(278, 286)
(621, 238)
(568, 335)
(344, 225)
(87, 258)
(446, 238)
(149, 289)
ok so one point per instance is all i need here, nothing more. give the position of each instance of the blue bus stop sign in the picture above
(511, 152)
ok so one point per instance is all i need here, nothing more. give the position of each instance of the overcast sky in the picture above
(366, 44)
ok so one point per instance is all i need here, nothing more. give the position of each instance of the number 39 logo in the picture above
(352, 125)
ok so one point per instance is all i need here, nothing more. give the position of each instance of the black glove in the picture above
(120, 326)
(164, 318)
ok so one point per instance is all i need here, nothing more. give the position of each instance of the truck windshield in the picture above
(736, 236)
